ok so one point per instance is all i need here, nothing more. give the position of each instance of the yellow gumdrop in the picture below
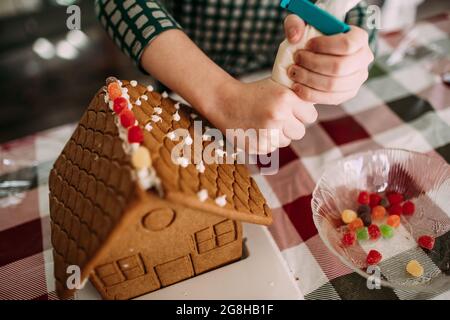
(348, 216)
(414, 268)
(141, 158)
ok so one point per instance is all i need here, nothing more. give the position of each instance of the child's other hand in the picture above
(262, 105)
(331, 69)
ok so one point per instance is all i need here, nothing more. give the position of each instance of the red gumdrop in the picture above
(135, 135)
(408, 208)
(120, 104)
(395, 198)
(363, 197)
(426, 242)
(374, 232)
(373, 257)
(395, 209)
(349, 239)
(374, 200)
(127, 118)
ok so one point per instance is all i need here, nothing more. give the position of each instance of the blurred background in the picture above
(48, 74)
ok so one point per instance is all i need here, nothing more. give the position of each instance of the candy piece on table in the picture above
(141, 158)
(373, 257)
(408, 208)
(120, 104)
(366, 218)
(426, 242)
(374, 199)
(348, 216)
(127, 118)
(384, 203)
(395, 209)
(362, 234)
(378, 213)
(135, 135)
(395, 198)
(363, 197)
(363, 209)
(387, 231)
(374, 232)
(348, 239)
(414, 268)
(114, 91)
(393, 221)
(356, 224)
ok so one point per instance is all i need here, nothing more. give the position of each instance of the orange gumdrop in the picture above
(356, 224)
(114, 91)
(378, 213)
(393, 220)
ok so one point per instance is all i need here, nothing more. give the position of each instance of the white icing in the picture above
(206, 137)
(194, 116)
(148, 127)
(200, 167)
(183, 162)
(106, 98)
(125, 90)
(156, 118)
(144, 97)
(165, 95)
(202, 195)
(221, 143)
(188, 141)
(176, 117)
(133, 83)
(177, 106)
(134, 146)
(220, 153)
(221, 201)
(138, 102)
(120, 83)
(172, 136)
(150, 88)
(158, 110)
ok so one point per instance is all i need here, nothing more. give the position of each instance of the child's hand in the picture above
(331, 69)
(262, 105)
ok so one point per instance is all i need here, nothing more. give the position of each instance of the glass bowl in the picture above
(423, 179)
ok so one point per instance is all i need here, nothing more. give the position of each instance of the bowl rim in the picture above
(315, 215)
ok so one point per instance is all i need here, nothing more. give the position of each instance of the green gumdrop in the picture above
(387, 231)
(362, 234)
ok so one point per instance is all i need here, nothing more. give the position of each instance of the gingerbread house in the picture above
(130, 217)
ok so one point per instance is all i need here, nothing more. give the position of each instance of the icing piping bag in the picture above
(324, 17)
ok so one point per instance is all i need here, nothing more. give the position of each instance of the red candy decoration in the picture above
(395, 209)
(349, 239)
(135, 135)
(395, 198)
(363, 197)
(374, 200)
(127, 118)
(120, 104)
(373, 257)
(374, 232)
(408, 208)
(426, 242)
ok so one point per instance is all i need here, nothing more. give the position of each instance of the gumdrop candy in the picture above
(127, 118)
(408, 208)
(426, 242)
(387, 231)
(378, 213)
(120, 104)
(356, 224)
(393, 221)
(135, 135)
(374, 232)
(348, 216)
(362, 234)
(141, 158)
(114, 91)
(366, 218)
(363, 197)
(374, 199)
(373, 257)
(396, 209)
(384, 202)
(348, 239)
(395, 198)
(414, 268)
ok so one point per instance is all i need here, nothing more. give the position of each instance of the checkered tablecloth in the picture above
(402, 105)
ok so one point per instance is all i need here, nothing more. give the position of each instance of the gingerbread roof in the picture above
(94, 182)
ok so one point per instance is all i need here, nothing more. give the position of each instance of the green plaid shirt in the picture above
(239, 35)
